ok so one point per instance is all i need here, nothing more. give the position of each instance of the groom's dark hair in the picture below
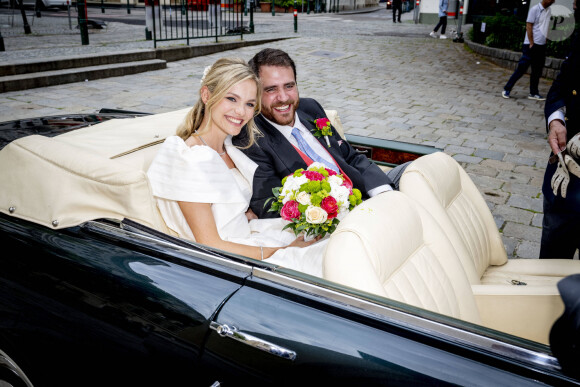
(271, 57)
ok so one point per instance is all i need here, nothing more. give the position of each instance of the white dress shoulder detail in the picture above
(198, 174)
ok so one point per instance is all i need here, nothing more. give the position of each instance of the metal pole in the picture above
(273, 10)
(154, 32)
(416, 12)
(2, 48)
(82, 12)
(68, 10)
(217, 22)
(459, 38)
(102, 6)
(128, 9)
(252, 16)
(295, 16)
(24, 19)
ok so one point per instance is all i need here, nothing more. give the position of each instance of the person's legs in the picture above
(400, 8)
(561, 225)
(444, 24)
(439, 24)
(521, 69)
(538, 58)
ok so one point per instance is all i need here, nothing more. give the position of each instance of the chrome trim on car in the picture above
(392, 315)
(7, 363)
(232, 332)
(141, 239)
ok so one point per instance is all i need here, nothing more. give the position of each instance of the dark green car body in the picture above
(119, 304)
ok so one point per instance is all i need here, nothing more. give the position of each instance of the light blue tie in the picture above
(304, 147)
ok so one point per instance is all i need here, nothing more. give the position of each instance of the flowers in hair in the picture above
(205, 71)
(314, 200)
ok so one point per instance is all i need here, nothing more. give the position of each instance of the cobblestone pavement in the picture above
(386, 80)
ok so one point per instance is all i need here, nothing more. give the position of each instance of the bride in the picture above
(203, 184)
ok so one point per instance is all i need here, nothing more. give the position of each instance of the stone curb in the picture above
(56, 71)
(509, 59)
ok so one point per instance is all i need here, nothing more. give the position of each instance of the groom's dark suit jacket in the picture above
(277, 158)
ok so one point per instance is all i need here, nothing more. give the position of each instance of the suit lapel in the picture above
(280, 144)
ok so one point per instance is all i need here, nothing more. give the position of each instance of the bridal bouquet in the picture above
(314, 200)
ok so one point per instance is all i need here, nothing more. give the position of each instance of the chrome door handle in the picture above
(232, 332)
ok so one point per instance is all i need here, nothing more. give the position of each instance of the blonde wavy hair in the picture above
(224, 74)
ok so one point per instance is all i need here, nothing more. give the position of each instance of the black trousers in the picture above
(535, 57)
(397, 6)
(561, 224)
(442, 23)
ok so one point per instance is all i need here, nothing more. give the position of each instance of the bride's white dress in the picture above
(198, 174)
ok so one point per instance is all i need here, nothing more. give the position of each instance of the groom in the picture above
(287, 122)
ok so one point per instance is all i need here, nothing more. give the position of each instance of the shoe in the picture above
(443, 36)
(433, 34)
(537, 97)
(505, 94)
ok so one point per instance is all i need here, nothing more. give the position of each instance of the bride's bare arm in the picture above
(200, 219)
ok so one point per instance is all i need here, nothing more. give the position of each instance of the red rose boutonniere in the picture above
(323, 128)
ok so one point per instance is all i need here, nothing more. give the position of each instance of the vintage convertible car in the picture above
(96, 290)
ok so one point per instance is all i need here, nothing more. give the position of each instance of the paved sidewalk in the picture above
(386, 80)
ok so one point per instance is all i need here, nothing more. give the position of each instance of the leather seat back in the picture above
(443, 187)
(392, 247)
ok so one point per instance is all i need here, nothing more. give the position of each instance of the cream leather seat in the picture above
(443, 187)
(392, 247)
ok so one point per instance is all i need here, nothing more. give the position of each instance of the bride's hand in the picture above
(251, 215)
(300, 242)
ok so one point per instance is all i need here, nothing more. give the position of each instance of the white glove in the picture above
(572, 165)
(561, 177)
(573, 146)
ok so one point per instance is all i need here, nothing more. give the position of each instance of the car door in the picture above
(279, 330)
(101, 305)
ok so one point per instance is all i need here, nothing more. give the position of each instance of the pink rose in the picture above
(330, 172)
(313, 176)
(322, 123)
(290, 210)
(330, 205)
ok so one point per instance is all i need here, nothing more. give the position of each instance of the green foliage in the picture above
(504, 32)
(507, 32)
(289, 3)
(471, 34)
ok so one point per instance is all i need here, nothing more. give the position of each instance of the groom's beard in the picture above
(286, 118)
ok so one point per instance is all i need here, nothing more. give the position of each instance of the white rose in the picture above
(340, 193)
(334, 180)
(303, 197)
(288, 189)
(315, 215)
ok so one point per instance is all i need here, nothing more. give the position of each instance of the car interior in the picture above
(433, 244)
